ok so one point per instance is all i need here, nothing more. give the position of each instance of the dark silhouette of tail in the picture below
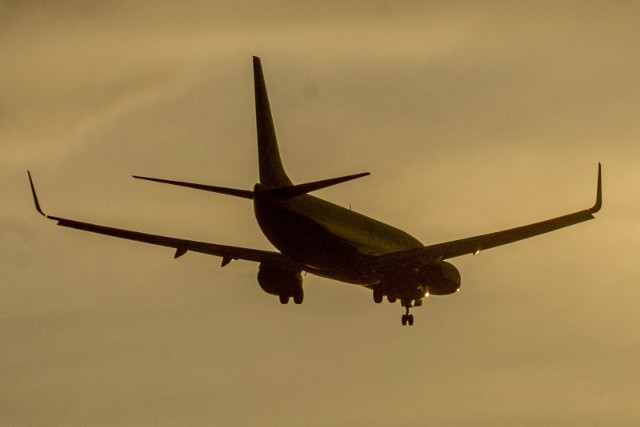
(271, 170)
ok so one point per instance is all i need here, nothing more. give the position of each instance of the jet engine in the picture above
(281, 281)
(441, 278)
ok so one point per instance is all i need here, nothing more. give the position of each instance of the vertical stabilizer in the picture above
(271, 170)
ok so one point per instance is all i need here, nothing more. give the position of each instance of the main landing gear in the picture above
(407, 300)
(297, 294)
(408, 318)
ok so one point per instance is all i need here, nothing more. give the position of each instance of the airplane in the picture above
(318, 237)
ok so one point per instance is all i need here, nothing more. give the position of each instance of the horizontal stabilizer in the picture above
(245, 194)
(300, 189)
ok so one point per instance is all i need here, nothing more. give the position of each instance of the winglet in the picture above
(35, 196)
(596, 207)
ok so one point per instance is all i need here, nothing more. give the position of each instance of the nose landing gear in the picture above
(407, 318)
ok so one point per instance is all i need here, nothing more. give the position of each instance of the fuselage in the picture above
(329, 240)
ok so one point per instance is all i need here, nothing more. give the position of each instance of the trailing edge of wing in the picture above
(182, 246)
(473, 245)
(245, 194)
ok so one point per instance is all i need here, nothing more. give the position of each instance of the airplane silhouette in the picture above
(327, 240)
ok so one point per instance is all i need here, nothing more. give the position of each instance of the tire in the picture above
(284, 299)
(377, 295)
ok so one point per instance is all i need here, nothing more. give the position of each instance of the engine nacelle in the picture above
(441, 278)
(276, 280)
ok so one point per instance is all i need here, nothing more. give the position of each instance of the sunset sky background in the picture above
(471, 116)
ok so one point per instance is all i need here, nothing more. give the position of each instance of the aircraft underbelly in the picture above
(305, 240)
(335, 249)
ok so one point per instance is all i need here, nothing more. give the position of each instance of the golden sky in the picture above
(471, 116)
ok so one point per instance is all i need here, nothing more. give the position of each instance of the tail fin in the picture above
(271, 170)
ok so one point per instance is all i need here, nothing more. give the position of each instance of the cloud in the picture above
(471, 117)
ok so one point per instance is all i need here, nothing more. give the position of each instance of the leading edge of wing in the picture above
(182, 246)
(473, 245)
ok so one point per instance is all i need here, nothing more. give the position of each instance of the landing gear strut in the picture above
(407, 318)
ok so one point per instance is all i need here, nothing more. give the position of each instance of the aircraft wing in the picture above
(473, 245)
(182, 246)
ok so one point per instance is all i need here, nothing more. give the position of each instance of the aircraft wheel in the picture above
(391, 298)
(298, 296)
(404, 320)
(410, 319)
(284, 299)
(377, 295)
